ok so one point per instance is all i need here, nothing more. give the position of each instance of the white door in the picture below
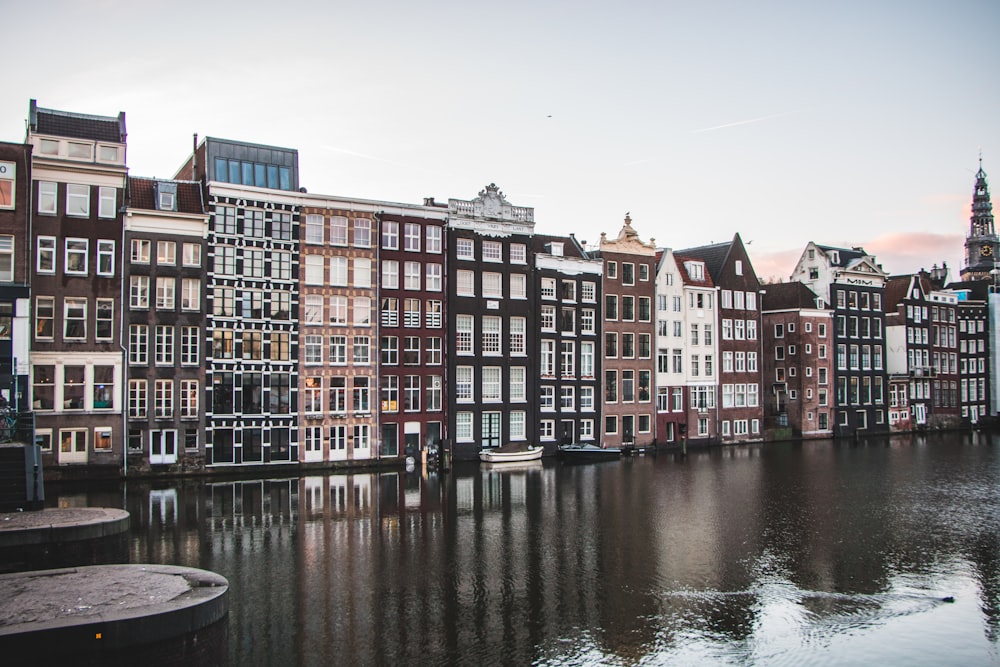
(73, 445)
(162, 447)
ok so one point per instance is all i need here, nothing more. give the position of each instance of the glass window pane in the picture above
(272, 176)
(259, 177)
(247, 173)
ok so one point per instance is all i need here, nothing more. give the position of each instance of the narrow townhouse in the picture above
(251, 301)
(629, 368)
(799, 375)
(853, 284)
(908, 351)
(338, 332)
(78, 183)
(163, 259)
(413, 314)
(671, 384)
(740, 412)
(568, 284)
(696, 357)
(973, 348)
(15, 285)
(488, 258)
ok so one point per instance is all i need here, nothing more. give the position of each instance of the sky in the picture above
(845, 123)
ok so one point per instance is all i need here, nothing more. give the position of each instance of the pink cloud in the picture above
(898, 253)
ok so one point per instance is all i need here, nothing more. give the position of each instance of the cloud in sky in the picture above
(898, 253)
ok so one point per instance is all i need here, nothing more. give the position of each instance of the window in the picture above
(6, 258)
(137, 399)
(361, 395)
(463, 384)
(362, 307)
(338, 350)
(165, 288)
(191, 254)
(338, 230)
(628, 308)
(517, 387)
(411, 237)
(548, 288)
(464, 334)
(191, 294)
(224, 262)
(338, 310)
(434, 281)
(463, 427)
(492, 251)
(547, 397)
(189, 346)
(362, 272)
(313, 349)
(140, 251)
(433, 238)
(491, 384)
(518, 253)
(166, 253)
(464, 249)
(46, 262)
(492, 285)
(628, 273)
(411, 275)
(518, 286)
(74, 319)
(138, 345)
(76, 256)
(465, 283)
(547, 361)
(189, 399)
(411, 351)
(105, 258)
(567, 359)
(164, 399)
(105, 319)
(77, 200)
(362, 233)
(611, 307)
(47, 197)
(390, 350)
(491, 331)
(516, 336)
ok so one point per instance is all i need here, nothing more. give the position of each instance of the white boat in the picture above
(509, 455)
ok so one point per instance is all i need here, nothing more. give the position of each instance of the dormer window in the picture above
(556, 249)
(80, 151)
(166, 196)
(695, 269)
(834, 257)
(107, 153)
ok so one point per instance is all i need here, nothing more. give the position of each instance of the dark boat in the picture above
(588, 452)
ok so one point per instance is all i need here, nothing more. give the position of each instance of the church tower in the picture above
(981, 245)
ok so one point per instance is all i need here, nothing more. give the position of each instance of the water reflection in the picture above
(776, 554)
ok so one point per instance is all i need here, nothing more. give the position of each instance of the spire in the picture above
(981, 222)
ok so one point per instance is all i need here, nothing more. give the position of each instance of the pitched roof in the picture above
(686, 277)
(77, 125)
(714, 256)
(896, 289)
(142, 195)
(844, 255)
(570, 247)
(787, 296)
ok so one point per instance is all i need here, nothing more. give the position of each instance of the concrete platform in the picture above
(114, 614)
(57, 537)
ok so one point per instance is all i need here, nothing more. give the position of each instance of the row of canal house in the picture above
(227, 317)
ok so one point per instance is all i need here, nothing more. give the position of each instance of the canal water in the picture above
(883, 552)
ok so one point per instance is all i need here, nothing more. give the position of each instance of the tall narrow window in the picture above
(45, 315)
(105, 258)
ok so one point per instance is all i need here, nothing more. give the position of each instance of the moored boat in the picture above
(588, 452)
(506, 455)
